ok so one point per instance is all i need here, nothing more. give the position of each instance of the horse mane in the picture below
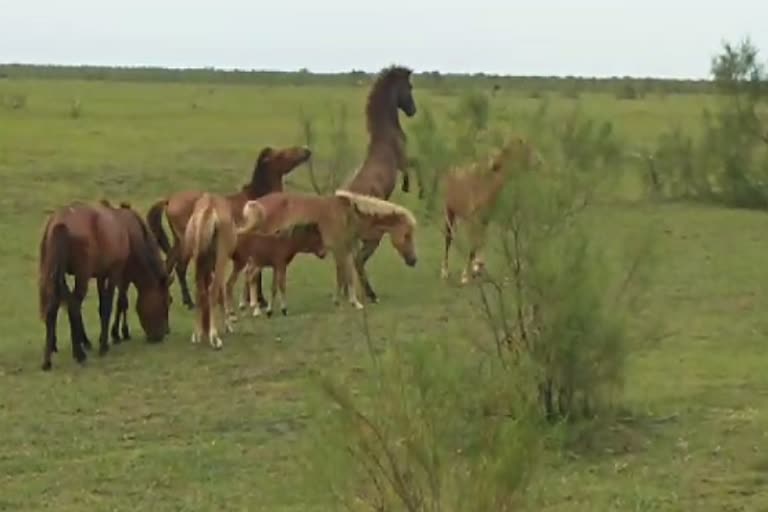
(378, 104)
(149, 252)
(368, 205)
(260, 184)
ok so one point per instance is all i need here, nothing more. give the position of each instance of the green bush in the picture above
(433, 426)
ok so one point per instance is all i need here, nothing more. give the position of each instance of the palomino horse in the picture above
(139, 234)
(210, 239)
(391, 92)
(471, 193)
(255, 252)
(342, 219)
(92, 241)
(271, 166)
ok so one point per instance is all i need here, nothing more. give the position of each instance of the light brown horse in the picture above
(210, 239)
(472, 191)
(255, 252)
(386, 154)
(270, 168)
(92, 241)
(342, 220)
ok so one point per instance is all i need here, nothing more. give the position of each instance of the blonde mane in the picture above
(369, 205)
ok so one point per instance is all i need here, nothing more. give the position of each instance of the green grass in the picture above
(181, 427)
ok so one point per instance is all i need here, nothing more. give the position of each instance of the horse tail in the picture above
(155, 223)
(201, 238)
(54, 255)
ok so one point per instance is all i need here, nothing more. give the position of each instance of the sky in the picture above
(668, 39)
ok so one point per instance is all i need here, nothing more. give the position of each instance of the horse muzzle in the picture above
(410, 260)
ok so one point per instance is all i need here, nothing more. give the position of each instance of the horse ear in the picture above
(264, 156)
(125, 205)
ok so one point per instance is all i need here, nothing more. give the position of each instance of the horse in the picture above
(270, 168)
(92, 241)
(471, 192)
(342, 219)
(255, 252)
(139, 234)
(210, 239)
(376, 177)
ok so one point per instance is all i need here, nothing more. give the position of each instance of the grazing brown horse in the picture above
(92, 241)
(271, 166)
(139, 234)
(210, 239)
(342, 220)
(386, 154)
(255, 252)
(471, 193)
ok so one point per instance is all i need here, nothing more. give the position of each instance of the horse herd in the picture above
(260, 226)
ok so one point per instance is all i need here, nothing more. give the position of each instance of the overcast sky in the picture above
(665, 38)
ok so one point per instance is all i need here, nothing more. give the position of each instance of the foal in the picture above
(255, 252)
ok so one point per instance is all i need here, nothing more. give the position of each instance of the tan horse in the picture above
(271, 166)
(210, 239)
(471, 193)
(342, 219)
(386, 154)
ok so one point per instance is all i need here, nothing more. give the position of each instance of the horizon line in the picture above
(307, 70)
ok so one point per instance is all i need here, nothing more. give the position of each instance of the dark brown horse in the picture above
(271, 166)
(92, 241)
(391, 92)
(139, 235)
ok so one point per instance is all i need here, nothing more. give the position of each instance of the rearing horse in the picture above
(391, 92)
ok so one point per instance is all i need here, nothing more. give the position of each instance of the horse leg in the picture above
(361, 258)
(121, 312)
(340, 278)
(254, 271)
(260, 289)
(246, 298)
(450, 223)
(281, 271)
(51, 316)
(352, 281)
(219, 305)
(274, 293)
(74, 309)
(181, 274)
(237, 268)
(106, 296)
(201, 325)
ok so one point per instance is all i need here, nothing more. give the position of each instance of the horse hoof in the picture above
(87, 345)
(256, 312)
(269, 313)
(194, 338)
(81, 358)
(46, 366)
(284, 311)
(103, 350)
(357, 305)
(216, 343)
(242, 305)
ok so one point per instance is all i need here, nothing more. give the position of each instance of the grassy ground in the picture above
(179, 427)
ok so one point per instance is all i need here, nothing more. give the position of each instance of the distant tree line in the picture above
(623, 87)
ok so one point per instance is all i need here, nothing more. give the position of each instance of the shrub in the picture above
(442, 427)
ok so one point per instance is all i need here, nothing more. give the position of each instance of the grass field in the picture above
(180, 427)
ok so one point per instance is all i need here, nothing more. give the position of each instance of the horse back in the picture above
(98, 240)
